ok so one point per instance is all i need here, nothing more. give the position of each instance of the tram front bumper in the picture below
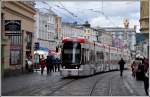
(75, 72)
(70, 72)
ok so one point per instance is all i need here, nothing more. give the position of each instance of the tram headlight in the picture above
(76, 67)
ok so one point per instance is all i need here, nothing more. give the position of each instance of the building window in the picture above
(15, 56)
(29, 40)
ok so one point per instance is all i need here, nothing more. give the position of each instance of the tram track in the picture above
(50, 89)
(109, 86)
(35, 89)
(29, 90)
(94, 86)
(60, 87)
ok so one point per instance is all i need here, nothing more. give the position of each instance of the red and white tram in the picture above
(82, 58)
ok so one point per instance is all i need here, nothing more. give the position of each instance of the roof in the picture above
(116, 29)
(46, 11)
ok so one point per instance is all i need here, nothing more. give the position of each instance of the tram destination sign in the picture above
(12, 25)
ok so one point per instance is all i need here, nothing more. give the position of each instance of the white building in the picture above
(45, 29)
(71, 30)
(126, 35)
(103, 37)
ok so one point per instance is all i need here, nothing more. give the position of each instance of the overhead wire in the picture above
(61, 6)
(71, 13)
(58, 10)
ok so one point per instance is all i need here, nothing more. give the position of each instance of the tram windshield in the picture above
(71, 53)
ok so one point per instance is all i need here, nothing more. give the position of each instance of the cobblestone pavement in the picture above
(103, 84)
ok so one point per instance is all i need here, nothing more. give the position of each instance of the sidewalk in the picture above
(134, 85)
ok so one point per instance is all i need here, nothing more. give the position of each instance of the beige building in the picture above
(17, 34)
(144, 16)
(144, 26)
(58, 30)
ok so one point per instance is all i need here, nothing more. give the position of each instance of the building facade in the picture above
(71, 30)
(90, 34)
(142, 45)
(46, 29)
(144, 26)
(128, 34)
(58, 31)
(144, 16)
(104, 37)
(17, 34)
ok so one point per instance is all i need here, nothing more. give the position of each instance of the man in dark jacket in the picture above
(146, 75)
(121, 63)
(48, 64)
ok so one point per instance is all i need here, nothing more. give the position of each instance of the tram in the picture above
(82, 58)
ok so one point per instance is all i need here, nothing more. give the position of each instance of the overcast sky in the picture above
(98, 13)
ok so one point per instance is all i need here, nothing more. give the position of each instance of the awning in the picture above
(43, 49)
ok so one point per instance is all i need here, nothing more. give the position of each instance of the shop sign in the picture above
(12, 25)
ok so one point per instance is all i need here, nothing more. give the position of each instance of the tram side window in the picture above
(92, 56)
(100, 57)
(87, 56)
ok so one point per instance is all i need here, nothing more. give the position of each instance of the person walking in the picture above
(42, 63)
(146, 75)
(48, 63)
(133, 68)
(121, 63)
(51, 63)
(54, 64)
(58, 64)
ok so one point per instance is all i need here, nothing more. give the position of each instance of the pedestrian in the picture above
(121, 63)
(55, 64)
(133, 68)
(29, 64)
(48, 64)
(42, 63)
(146, 75)
(140, 71)
(51, 63)
(58, 64)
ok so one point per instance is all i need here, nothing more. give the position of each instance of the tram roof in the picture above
(84, 40)
(74, 39)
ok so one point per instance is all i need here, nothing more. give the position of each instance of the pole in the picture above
(109, 57)
(22, 50)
